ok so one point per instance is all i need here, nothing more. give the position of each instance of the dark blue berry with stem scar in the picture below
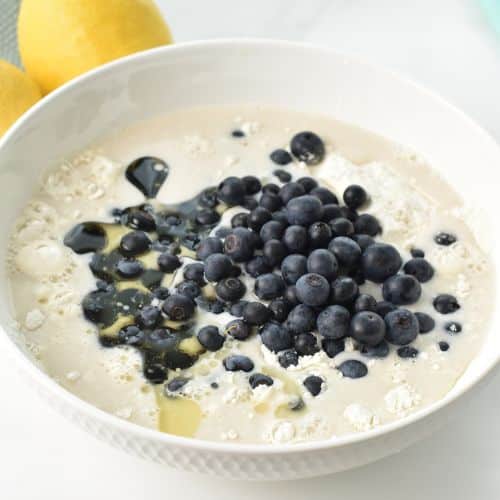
(280, 308)
(237, 362)
(282, 175)
(363, 240)
(269, 286)
(293, 267)
(344, 291)
(252, 184)
(446, 304)
(323, 262)
(375, 351)
(290, 295)
(291, 190)
(380, 261)
(313, 289)
(407, 352)
(195, 272)
(274, 251)
(355, 196)
(332, 347)
(256, 313)
(313, 384)
(333, 322)
(135, 243)
(281, 157)
(176, 384)
(306, 344)
(417, 253)
(308, 183)
(308, 147)
(352, 368)
(365, 302)
(270, 201)
(257, 266)
(272, 230)
(304, 210)
(367, 224)
(238, 329)
(401, 327)
(239, 220)
(189, 288)
(147, 174)
(258, 217)
(149, 317)
(301, 319)
(296, 239)
(276, 337)
(445, 239)
(401, 289)
(257, 379)
(129, 268)
(210, 338)
(368, 328)
(239, 244)
(384, 307)
(425, 322)
(346, 251)
(420, 269)
(443, 346)
(230, 289)
(341, 227)
(168, 262)
(288, 358)
(208, 246)
(320, 235)
(131, 335)
(217, 267)
(453, 327)
(236, 309)
(324, 195)
(178, 307)
(231, 191)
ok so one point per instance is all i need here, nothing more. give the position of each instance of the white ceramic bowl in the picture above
(284, 74)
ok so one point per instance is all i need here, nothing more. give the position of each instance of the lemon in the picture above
(17, 93)
(60, 39)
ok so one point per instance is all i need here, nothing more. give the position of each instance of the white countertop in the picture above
(447, 46)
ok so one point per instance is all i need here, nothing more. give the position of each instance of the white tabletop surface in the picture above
(448, 46)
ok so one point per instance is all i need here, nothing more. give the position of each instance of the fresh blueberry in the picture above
(282, 175)
(238, 329)
(333, 322)
(341, 227)
(425, 322)
(368, 328)
(270, 188)
(445, 239)
(346, 251)
(331, 211)
(257, 266)
(231, 191)
(401, 327)
(207, 217)
(446, 304)
(307, 147)
(276, 337)
(407, 352)
(210, 338)
(296, 239)
(189, 288)
(288, 358)
(290, 295)
(320, 235)
(270, 201)
(161, 292)
(443, 346)
(355, 196)
(235, 271)
(258, 217)
(324, 195)
(176, 384)
(344, 291)
(139, 218)
(401, 289)
(178, 307)
(272, 230)
(293, 267)
(306, 344)
(375, 351)
(349, 213)
(384, 308)
(313, 289)
(420, 269)
(308, 183)
(323, 262)
(250, 203)
(239, 220)
(195, 272)
(252, 184)
(135, 243)
(236, 309)
(365, 302)
(332, 347)
(129, 268)
(313, 384)
(352, 368)
(257, 379)
(417, 253)
(269, 286)
(304, 210)
(213, 306)
(230, 289)
(222, 232)
(291, 190)
(217, 267)
(148, 317)
(363, 240)
(168, 263)
(237, 362)
(207, 199)
(380, 261)
(281, 216)
(131, 335)
(160, 340)
(256, 313)
(239, 244)
(281, 157)
(274, 252)
(367, 224)
(453, 327)
(301, 319)
(280, 308)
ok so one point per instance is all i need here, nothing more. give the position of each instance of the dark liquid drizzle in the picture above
(147, 174)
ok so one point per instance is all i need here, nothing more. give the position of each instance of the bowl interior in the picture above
(265, 73)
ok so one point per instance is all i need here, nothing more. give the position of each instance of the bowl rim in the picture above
(146, 433)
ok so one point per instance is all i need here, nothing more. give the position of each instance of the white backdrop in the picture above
(446, 45)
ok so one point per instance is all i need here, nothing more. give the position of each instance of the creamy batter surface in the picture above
(201, 147)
